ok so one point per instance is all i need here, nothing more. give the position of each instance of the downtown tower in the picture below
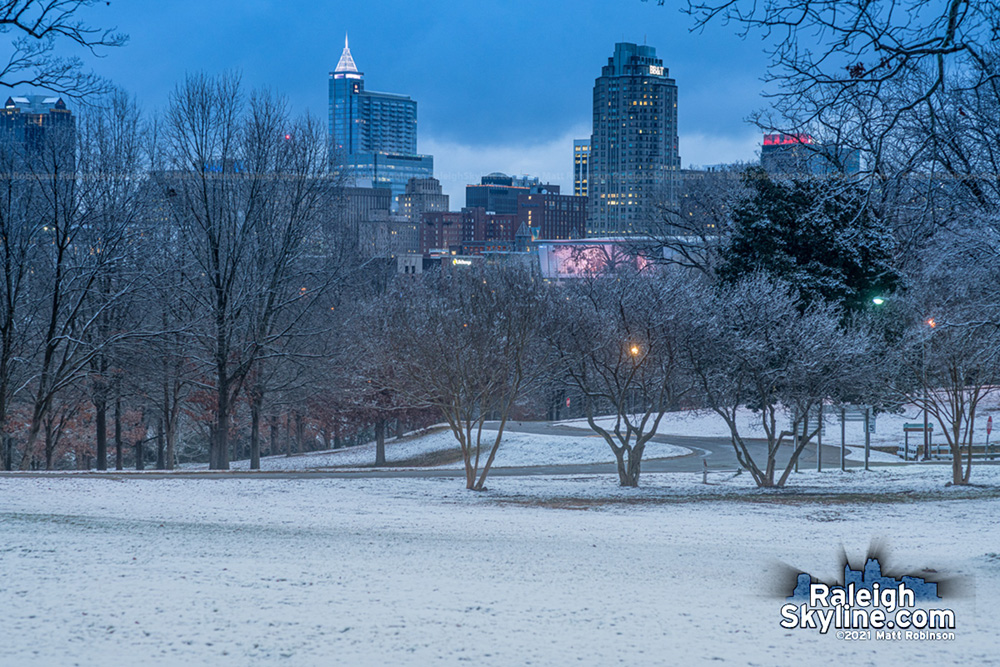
(634, 163)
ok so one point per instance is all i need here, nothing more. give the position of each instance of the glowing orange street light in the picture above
(931, 323)
(634, 350)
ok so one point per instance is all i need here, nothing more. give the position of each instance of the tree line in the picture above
(187, 285)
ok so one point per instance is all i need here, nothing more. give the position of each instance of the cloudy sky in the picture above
(501, 86)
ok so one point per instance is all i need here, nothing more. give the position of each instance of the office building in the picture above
(801, 155)
(441, 232)
(373, 136)
(29, 120)
(634, 159)
(553, 216)
(498, 193)
(422, 195)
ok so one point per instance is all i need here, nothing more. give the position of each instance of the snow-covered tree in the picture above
(619, 340)
(249, 194)
(466, 344)
(756, 346)
(951, 347)
(817, 234)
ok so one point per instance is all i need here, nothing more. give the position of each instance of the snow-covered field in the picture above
(516, 449)
(419, 571)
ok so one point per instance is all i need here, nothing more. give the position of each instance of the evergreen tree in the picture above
(818, 234)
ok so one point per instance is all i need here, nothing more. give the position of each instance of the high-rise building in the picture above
(634, 159)
(801, 155)
(27, 120)
(373, 135)
(581, 166)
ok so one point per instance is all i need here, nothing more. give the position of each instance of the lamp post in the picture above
(634, 351)
(923, 378)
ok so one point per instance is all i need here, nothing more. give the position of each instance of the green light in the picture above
(878, 301)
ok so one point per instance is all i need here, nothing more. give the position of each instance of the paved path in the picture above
(717, 453)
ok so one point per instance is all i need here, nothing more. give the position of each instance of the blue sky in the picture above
(501, 86)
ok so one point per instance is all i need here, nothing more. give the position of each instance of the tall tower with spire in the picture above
(373, 135)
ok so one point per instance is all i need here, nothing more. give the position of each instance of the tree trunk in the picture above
(629, 466)
(49, 445)
(101, 425)
(255, 433)
(171, 445)
(273, 433)
(380, 442)
(140, 455)
(118, 433)
(300, 433)
(160, 461)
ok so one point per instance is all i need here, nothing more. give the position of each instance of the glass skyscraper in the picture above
(373, 135)
(634, 160)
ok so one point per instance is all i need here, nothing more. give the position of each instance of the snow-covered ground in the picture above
(888, 426)
(516, 449)
(418, 571)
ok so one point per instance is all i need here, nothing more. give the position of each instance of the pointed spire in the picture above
(346, 69)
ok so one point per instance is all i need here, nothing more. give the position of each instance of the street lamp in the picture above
(923, 374)
(878, 300)
(634, 350)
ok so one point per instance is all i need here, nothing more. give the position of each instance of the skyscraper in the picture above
(373, 135)
(634, 160)
(581, 167)
(25, 120)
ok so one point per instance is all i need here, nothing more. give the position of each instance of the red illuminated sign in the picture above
(787, 139)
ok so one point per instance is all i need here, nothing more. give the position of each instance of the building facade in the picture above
(581, 166)
(420, 196)
(634, 159)
(373, 136)
(498, 193)
(801, 155)
(389, 170)
(27, 120)
(553, 216)
(441, 232)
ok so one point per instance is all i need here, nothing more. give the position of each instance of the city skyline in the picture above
(501, 87)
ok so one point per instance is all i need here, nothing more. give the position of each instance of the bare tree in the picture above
(20, 228)
(756, 347)
(952, 344)
(40, 27)
(838, 52)
(466, 343)
(113, 160)
(85, 239)
(619, 339)
(250, 189)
